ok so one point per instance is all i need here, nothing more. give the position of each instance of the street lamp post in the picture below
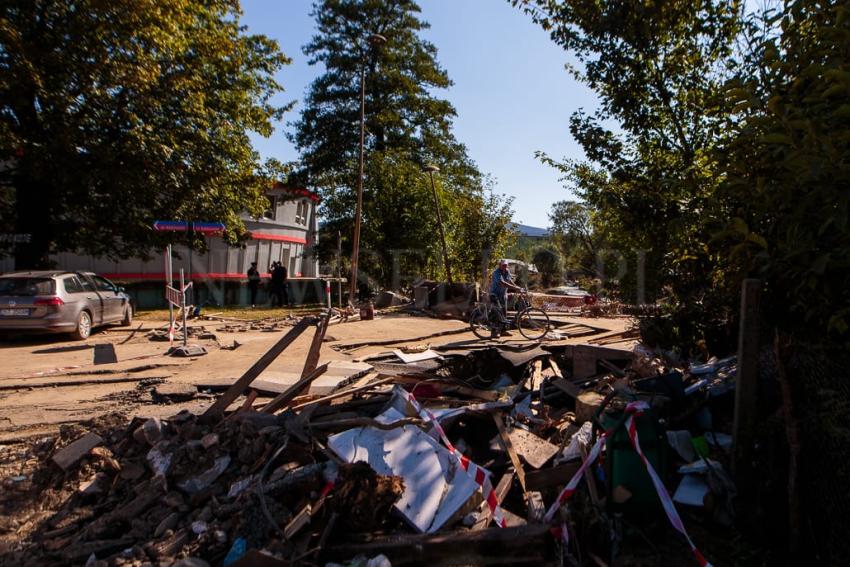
(374, 39)
(431, 169)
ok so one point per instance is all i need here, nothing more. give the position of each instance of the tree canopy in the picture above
(407, 127)
(717, 153)
(113, 114)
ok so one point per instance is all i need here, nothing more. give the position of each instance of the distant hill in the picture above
(530, 231)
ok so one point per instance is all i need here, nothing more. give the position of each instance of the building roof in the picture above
(294, 191)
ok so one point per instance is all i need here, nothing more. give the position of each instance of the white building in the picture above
(287, 233)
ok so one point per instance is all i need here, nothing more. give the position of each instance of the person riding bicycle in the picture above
(500, 283)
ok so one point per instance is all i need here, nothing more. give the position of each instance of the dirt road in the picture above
(48, 381)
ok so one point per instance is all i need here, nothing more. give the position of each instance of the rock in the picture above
(149, 432)
(209, 440)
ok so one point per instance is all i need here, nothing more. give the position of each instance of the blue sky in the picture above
(511, 91)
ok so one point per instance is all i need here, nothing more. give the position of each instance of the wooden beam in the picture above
(547, 478)
(236, 390)
(344, 393)
(290, 393)
(506, 443)
(525, 545)
(501, 491)
(312, 360)
(746, 385)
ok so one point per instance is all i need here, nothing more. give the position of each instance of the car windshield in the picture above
(26, 286)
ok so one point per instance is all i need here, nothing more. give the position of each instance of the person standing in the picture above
(280, 275)
(253, 283)
(274, 285)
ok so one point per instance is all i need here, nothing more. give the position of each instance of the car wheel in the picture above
(83, 326)
(128, 316)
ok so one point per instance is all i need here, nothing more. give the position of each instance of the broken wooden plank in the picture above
(344, 393)
(290, 393)
(587, 403)
(551, 477)
(71, 454)
(533, 450)
(501, 491)
(312, 360)
(506, 443)
(525, 545)
(536, 379)
(222, 403)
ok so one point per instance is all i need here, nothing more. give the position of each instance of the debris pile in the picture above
(522, 454)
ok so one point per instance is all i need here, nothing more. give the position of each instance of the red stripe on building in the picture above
(160, 276)
(279, 237)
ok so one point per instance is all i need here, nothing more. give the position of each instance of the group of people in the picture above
(278, 291)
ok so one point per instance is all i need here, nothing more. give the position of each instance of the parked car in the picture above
(61, 302)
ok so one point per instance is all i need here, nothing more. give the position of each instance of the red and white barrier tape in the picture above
(474, 471)
(636, 409)
(633, 409)
(570, 489)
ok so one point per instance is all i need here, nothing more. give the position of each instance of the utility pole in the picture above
(339, 265)
(431, 169)
(374, 39)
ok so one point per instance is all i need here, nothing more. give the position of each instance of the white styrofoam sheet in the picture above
(435, 487)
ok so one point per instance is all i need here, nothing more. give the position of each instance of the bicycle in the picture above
(487, 319)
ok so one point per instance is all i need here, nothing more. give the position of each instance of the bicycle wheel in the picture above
(533, 323)
(480, 323)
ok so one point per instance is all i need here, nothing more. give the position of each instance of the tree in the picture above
(572, 232)
(407, 127)
(786, 170)
(113, 114)
(549, 265)
(651, 183)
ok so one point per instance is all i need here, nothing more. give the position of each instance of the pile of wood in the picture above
(453, 466)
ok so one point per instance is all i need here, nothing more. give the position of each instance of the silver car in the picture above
(60, 302)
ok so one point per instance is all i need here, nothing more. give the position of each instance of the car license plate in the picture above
(14, 312)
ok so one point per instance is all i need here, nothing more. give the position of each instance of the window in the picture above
(103, 284)
(271, 210)
(26, 286)
(73, 285)
(87, 285)
(301, 213)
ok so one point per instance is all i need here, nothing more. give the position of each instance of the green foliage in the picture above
(786, 168)
(648, 182)
(407, 126)
(113, 114)
(573, 233)
(729, 160)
